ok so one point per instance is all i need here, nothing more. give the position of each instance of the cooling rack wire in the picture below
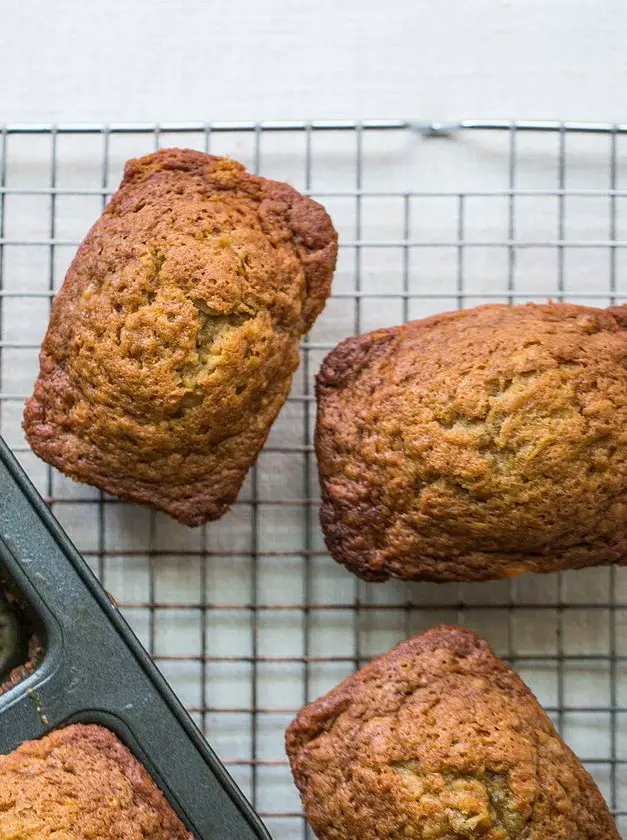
(249, 618)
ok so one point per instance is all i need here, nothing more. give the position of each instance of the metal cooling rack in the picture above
(249, 618)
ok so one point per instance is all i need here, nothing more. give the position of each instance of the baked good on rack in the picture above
(172, 344)
(477, 444)
(80, 783)
(440, 740)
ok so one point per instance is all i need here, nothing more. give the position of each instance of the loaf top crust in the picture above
(81, 783)
(440, 740)
(477, 444)
(172, 343)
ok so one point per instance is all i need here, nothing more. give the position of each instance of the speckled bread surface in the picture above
(81, 783)
(477, 444)
(173, 341)
(440, 740)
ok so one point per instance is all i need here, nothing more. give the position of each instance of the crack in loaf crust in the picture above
(477, 444)
(172, 344)
(80, 783)
(440, 740)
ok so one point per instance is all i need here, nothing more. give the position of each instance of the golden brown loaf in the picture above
(172, 344)
(34, 655)
(440, 740)
(477, 444)
(81, 783)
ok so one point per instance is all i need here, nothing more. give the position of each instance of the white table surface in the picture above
(162, 60)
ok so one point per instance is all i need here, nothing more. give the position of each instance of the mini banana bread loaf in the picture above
(440, 740)
(172, 344)
(477, 444)
(81, 783)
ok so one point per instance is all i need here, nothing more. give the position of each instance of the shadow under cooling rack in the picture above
(249, 618)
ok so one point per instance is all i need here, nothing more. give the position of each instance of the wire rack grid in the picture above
(249, 618)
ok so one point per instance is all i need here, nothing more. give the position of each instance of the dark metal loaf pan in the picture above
(95, 670)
